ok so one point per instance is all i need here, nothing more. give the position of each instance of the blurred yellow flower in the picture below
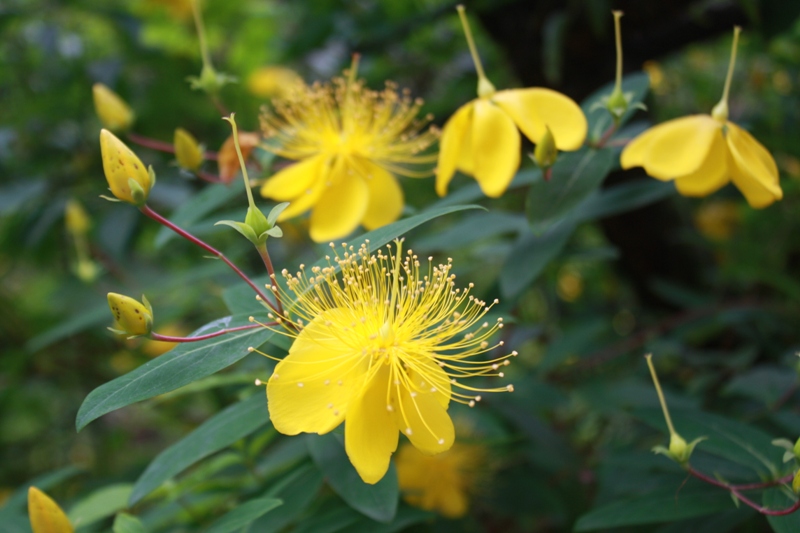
(349, 142)
(717, 220)
(76, 219)
(385, 349)
(274, 82)
(45, 514)
(154, 348)
(443, 483)
(128, 178)
(188, 151)
(702, 153)
(112, 110)
(481, 138)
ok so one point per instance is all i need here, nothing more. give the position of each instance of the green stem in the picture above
(232, 122)
(485, 87)
(201, 32)
(729, 77)
(618, 41)
(661, 399)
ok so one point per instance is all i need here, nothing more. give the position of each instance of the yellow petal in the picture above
(424, 421)
(341, 206)
(533, 109)
(634, 153)
(495, 147)
(712, 174)
(370, 433)
(679, 147)
(113, 111)
(753, 169)
(451, 144)
(311, 388)
(453, 503)
(45, 514)
(121, 165)
(187, 150)
(385, 197)
(294, 180)
(427, 375)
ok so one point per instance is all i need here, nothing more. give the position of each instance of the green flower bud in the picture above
(546, 153)
(132, 317)
(128, 178)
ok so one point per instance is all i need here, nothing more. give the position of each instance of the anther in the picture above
(300, 385)
(258, 382)
(408, 431)
(510, 388)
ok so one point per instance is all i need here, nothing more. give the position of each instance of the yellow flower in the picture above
(717, 220)
(112, 110)
(188, 151)
(386, 349)
(349, 141)
(481, 138)
(128, 178)
(132, 317)
(702, 153)
(76, 218)
(274, 82)
(443, 483)
(45, 514)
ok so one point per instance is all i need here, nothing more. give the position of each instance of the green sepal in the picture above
(256, 220)
(210, 80)
(276, 212)
(274, 231)
(682, 454)
(110, 198)
(149, 307)
(137, 193)
(152, 174)
(242, 228)
(120, 332)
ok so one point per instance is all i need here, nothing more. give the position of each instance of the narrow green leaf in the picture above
(530, 255)
(198, 206)
(218, 432)
(406, 516)
(472, 228)
(341, 518)
(297, 490)
(19, 498)
(100, 504)
(666, 504)
(378, 501)
(780, 498)
(599, 118)
(184, 364)
(575, 176)
(125, 523)
(244, 515)
(472, 192)
(624, 197)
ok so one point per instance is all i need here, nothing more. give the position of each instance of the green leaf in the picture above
(472, 192)
(472, 228)
(624, 197)
(125, 523)
(184, 364)
(530, 255)
(244, 515)
(14, 195)
(19, 498)
(246, 231)
(599, 118)
(297, 490)
(666, 504)
(218, 432)
(100, 504)
(378, 501)
(341, 518)
(78, 322)
(198, 206)
(780, 498)
(575, 176)
(406, 516)
(240, 298)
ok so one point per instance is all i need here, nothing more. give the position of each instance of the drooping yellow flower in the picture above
(702, 153)
(274, 82)
(385, 349)
(481, 138)
(443, 483)
(113, 111)
(128, 178)
(349, 142)
(45, 514)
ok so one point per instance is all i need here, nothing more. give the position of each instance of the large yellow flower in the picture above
(349, 142)
(443, 483)
(481, 138)
(702, 153)
(385, 349)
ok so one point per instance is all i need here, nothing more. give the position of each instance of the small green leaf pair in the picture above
(256, 227)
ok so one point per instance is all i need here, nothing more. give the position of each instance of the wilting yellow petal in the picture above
(341, 206)
(754, 171)
(425, 422)
(495, 147)
(121, 165)
(45, 514)
(679, 147)
(385, 197)
(533, 109)
(294, 180)
(370, 434)
(712, 174)
(312, 387)
(455, 138)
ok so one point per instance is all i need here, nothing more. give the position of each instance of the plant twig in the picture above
(169, 338)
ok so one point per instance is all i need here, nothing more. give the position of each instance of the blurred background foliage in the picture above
(710, 286)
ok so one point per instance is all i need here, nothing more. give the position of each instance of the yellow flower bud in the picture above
(45, 514)
(76, 218)
(114, 113)
(127, 176)
(132, 317)
(187, 150)
(796, 482)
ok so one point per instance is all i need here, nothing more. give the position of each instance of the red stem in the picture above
(162, 146)
(169, 338)
(262, 250)
(601, 142)
(191, 238)
(734, 489)
(211, 178)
